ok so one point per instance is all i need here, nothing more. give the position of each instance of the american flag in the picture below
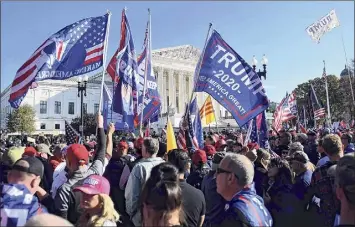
(71, 135)
(63, 55)
(254, 135)
(316, 104)
(181, 140)
(285, 111)
(249, 132)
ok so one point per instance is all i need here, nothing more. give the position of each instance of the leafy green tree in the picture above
(22, 120)
(89, 124)
(337, 97)
(272, 107)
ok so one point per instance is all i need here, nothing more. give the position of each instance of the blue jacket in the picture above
(246, 209)
(214, 201)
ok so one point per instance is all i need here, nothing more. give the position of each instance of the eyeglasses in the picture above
(219, 170)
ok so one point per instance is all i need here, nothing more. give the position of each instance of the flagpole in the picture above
(104, 58)
(326, 91)
(200, 62)
(145, 70)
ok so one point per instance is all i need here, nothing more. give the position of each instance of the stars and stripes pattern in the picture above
(62, 52)
(285, 111)
(181, 140)
(254, 135)
(318, 109)
(71, 135)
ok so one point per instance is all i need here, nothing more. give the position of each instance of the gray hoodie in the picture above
(139, 175)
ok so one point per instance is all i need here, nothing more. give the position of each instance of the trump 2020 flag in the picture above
(150, 101)
(322, 26)
(124, 99)
(74, 50)
(231, 81)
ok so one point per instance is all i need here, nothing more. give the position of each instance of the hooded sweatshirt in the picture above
(18, 205)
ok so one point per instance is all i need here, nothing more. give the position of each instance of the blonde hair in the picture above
(107, 212)
(310, 166)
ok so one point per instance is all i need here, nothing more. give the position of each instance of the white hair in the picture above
(241, 166)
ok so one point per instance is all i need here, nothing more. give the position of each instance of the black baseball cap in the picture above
(35, 166)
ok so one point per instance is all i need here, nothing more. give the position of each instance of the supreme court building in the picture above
(57, 100)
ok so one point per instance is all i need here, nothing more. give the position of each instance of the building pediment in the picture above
(181, 53)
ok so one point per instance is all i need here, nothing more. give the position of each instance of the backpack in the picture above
(114, 170)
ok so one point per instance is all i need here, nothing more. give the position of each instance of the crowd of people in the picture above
(299, 180)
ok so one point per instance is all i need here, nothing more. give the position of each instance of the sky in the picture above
(276, 29)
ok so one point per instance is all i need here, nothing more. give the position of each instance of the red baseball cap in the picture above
(94, 185)
(198, 157)
(78, 152)
(210, 150)
(30, 151)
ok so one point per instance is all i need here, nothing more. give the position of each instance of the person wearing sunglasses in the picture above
(234, 178)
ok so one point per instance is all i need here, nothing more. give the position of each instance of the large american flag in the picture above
(71, 135)
(285, 111)
(63, 55)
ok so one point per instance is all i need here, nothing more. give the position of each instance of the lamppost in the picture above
(82, 83)
(264, 62)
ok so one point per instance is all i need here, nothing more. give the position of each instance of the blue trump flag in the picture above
(74, 50)
(231, 81)
(125, 97)
(107, 113)
(150, 101)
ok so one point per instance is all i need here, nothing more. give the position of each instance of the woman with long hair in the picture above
(97, 206)
(161, 199)
(277, 194)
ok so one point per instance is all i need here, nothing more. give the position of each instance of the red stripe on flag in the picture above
(95, 50)
(29, 61)
(91, 60)
(23, 76)
(20, 92)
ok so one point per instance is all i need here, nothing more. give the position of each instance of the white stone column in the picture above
(182, 92)
(172, 88)
(161, 86)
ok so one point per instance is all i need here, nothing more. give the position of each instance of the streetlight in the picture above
(82, 83)
(264, 62)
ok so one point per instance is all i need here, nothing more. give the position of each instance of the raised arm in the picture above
(97, 166)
